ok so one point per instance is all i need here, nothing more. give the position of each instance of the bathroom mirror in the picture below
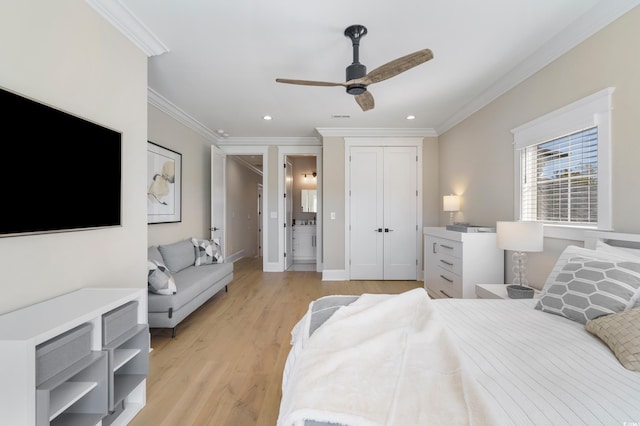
(309, 201)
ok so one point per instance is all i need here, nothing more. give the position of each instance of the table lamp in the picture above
(520, 237)
(451, 204)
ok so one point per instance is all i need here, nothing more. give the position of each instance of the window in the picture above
(559, 179)
(563, 165)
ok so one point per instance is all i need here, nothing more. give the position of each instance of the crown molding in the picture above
(275, 141)
(601, 15)
(118, 15)
(164, 105)
(375, 132)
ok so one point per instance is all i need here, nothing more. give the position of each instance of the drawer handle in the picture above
(447, 247)
(433, 249)
(443, 292)
(446, 263)
(446, 279)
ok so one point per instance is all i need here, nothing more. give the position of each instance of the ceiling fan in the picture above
(357, 79)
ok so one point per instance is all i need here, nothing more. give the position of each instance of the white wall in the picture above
(64, 54)
(476, 156)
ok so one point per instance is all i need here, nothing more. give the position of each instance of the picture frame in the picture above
(164, 184)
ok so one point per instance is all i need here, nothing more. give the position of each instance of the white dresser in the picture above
(304, 243)
(454, 262)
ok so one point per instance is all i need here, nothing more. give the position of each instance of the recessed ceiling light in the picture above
(266, 117)
(220, 131)
(411, 117)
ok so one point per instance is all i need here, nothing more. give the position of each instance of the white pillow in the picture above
(621, 251)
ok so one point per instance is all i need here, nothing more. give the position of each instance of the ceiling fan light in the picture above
(356, 89)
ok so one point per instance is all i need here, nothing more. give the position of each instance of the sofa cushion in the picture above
(190, 283)
(154, 254)
(178, 256)
(159, 279)
(207, 251)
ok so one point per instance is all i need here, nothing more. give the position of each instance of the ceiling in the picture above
(221, 59)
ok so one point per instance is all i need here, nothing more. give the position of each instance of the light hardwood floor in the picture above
(224, 367)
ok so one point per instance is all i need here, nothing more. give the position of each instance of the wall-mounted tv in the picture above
(60, 172)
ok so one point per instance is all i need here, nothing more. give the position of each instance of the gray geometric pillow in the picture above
(589, 286)
(160, 280)
(207, 252)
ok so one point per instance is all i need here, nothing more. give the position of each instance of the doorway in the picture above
(306, 233)
(245, 177)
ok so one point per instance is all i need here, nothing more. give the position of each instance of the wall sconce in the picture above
(314, 174)
(451, 204)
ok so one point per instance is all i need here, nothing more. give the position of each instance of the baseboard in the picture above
(335, 275)
(235, 256)
(272, 267)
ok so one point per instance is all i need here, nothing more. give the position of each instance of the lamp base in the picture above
(519, 292)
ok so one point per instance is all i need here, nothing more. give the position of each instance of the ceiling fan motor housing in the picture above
(356, 69)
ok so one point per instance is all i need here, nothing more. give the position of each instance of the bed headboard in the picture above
(617, 239)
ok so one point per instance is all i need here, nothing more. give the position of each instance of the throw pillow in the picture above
(207, 251)
(621, 332)
(586, 284)
(160, 280)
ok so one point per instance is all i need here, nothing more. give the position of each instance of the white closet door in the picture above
(400, 213)
(383, 213)
(366, 213)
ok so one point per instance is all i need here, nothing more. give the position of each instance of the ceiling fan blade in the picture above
(395, 67)
(309, 82)
(365, 100)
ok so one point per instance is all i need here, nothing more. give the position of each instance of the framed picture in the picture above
(164, 184)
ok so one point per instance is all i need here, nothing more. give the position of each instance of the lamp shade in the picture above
(450, 203)
(520, 236)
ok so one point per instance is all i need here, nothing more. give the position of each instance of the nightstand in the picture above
(496, 291)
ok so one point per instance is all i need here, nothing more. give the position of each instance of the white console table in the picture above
(21, 331)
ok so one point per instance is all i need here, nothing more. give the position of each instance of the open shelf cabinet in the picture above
(93, 383)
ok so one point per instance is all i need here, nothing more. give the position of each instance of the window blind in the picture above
(560, 179)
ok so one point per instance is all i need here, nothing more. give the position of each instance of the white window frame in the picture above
(593, 110)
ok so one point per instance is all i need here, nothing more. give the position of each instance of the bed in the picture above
(409, 360)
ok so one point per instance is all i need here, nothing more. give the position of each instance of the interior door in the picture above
(400, 213)
(260, 242)
(288, 207)
(218, 195)
(366, 220)
(383, 213)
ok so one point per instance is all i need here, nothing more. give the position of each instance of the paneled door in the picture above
(383, 205)
(218, 194)
(288, 208)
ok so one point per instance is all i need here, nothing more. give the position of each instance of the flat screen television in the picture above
(60, 172)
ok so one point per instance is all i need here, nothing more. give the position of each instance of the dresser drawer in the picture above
(444, 283)
(449, 263)
(446, 247)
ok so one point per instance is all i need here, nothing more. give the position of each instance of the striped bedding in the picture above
(540, 368)
(536, 368)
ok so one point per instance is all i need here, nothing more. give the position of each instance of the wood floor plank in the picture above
(224, 367)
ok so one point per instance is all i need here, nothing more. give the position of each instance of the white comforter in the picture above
(369, 365)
